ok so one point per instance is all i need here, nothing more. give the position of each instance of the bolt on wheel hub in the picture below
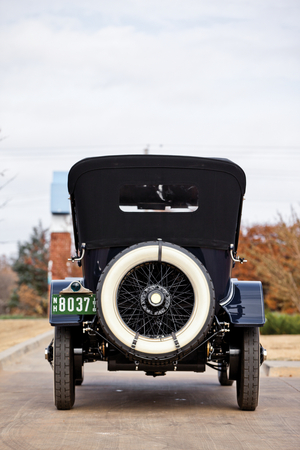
(155, 300)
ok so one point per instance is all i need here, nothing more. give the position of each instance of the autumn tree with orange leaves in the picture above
(273, 254)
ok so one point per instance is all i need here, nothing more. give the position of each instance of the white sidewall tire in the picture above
(196, 327)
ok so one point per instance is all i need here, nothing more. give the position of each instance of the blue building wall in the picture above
(60, 203)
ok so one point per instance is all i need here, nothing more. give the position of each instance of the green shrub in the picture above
(277, 323)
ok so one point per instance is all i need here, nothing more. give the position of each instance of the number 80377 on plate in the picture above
(73, 304)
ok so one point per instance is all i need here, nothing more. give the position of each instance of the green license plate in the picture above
(73, 304)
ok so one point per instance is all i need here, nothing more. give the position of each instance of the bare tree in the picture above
(8, 282)
(4, 183)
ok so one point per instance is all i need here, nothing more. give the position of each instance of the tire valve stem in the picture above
(136, 365)
(175, 365)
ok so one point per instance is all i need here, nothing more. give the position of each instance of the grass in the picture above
(277, 323)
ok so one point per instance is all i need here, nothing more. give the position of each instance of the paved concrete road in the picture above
(131, 411)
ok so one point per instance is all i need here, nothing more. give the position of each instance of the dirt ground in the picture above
(12, 332)
(283, 347)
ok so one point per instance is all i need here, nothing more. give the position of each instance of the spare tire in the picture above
(155, 302)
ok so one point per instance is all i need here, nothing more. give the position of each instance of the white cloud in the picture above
(58, 73)
(124, 73)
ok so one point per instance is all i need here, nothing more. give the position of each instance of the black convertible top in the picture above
(99, 186)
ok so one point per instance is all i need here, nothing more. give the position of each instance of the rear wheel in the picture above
(248, 377)
(79, 380)
(223, 375)
(64, 383)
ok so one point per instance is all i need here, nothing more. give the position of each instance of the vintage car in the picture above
(157, 239)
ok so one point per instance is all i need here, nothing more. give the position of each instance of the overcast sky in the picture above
(97, 77)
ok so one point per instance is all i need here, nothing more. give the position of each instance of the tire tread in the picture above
(64, 392)
(248, 380)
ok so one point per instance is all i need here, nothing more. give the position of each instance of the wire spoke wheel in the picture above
(155, 299)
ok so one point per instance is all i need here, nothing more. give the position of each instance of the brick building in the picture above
(61, 246)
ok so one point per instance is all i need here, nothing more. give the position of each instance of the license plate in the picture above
(73, 304)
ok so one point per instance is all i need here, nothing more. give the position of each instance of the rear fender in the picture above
(244, 303)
